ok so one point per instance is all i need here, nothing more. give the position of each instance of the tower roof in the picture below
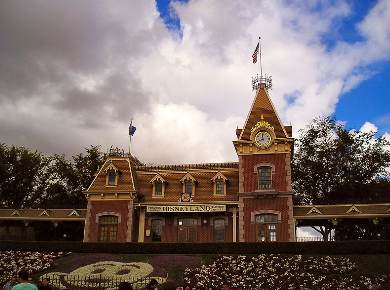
(126, 182)
(262, 108)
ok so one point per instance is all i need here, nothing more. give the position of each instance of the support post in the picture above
(234, 224)
(141, 225)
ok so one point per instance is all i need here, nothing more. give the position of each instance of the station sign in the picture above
(187, 208)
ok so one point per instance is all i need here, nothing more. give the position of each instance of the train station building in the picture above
(247, 201)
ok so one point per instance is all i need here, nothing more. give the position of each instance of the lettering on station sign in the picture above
(186, 208)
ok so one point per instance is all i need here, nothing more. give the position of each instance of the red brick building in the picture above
(247, 201)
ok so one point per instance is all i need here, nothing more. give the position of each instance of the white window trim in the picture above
(219, 176)
(189, 177)
(158, 177)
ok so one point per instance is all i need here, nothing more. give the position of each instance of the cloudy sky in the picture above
(73, 73)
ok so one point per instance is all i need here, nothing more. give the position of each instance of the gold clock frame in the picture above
(262, 126)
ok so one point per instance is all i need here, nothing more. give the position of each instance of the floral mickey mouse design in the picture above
(105, 272)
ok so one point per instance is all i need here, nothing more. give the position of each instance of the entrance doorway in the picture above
(266, 227)
(187, 230)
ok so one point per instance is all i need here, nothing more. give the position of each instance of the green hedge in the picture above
(345, 247)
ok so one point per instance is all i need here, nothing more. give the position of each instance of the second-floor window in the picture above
(158, 188)
(158, 184)
(219, 186)
(264, 177)
(188, 184)
(111, 180)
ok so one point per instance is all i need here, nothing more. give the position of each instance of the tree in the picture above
(30, 179)
(333, 165)
(69, 178)
(20, 172)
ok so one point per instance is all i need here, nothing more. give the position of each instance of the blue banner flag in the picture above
(132, 130)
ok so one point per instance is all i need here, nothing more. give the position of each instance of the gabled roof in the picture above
(219, 175)
(111, 167)
(262, 106)
(188, 176)
(125, 181)
(174, 184)
(314, 210)
(157, 177)
(353, 209)
(42, 214)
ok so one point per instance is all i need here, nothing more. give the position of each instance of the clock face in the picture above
(263, 138)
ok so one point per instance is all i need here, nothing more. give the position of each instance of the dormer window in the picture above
(111, 178)
(158, 186)
(188, 182)
(219, 184)
(188, 186)
(112, 174)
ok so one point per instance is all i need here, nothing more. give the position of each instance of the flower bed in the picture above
(283, 272)
(105, 274)
(12, 261)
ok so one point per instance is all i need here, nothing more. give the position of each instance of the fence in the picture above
(313, 239)
(96, 282)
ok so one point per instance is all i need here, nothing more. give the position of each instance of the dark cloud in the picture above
(49, 48)
(117, 99)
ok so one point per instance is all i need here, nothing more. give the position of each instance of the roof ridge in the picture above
(189, 166)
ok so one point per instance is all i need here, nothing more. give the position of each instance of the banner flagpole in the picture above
(130, 128)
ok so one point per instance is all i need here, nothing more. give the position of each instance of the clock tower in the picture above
(264, 147)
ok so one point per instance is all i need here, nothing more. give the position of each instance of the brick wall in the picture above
(279, 180)
(278, 204)
(120, 208)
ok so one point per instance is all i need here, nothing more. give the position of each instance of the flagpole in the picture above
(130, 128)
(261, 68)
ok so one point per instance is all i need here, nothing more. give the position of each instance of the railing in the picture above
(312, 239)
(257, 81)
(96, 282)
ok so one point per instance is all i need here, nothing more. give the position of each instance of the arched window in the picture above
(108, 228)
(264, 177)
(266, 227)
(219, 230)
(156, 226)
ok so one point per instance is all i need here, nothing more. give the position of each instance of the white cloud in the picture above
(183, 134)
(368, 127)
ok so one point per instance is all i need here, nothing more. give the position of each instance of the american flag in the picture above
(254, 55)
